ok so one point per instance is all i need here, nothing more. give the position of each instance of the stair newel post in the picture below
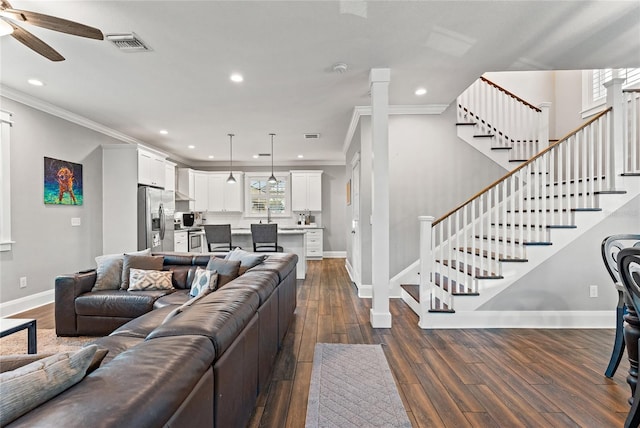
(426, 266)
(616, 129)
(543, 126)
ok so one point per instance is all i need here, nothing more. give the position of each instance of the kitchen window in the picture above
(265, 199)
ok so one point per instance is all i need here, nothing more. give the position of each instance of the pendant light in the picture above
(272, 179)
(231, 179)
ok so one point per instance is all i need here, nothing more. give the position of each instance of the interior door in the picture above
(356, 249)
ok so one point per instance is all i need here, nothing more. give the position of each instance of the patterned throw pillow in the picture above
(139, 262)
(204, 281)
(141, 280)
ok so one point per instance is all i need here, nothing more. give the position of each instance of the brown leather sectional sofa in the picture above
(204, 367)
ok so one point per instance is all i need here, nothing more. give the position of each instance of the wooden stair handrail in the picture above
(512, 95)
(545, 150)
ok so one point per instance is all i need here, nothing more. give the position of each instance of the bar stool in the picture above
(265, 238)
(218, 237)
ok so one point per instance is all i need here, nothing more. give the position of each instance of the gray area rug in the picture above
(352, 386)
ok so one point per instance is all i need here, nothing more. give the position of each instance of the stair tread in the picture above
(484, 136)
(468, 269)
(500, 257)
(509, 240)
(414, 291)
(465, 123)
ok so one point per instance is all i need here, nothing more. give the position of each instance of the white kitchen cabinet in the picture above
(201, 191)
(151, 168)
(223, 196)
(306, 190)
(313, 239)
(186, 186)
(180, 243)
(170, 176)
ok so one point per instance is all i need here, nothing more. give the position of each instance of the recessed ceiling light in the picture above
(300, 156)
(35, 82)
(210, 156)
(256, 156)
(191, 146)
(236, 77)
(421, 91)
(164, 131)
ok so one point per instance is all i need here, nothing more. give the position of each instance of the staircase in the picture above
(480, 248)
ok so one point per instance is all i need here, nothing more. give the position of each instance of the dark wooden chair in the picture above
(218, 237)
(610, 247)
(265, 238)
(629, 269)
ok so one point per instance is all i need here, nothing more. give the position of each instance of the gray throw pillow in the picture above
(247, 259)
(227, 269)
(139, 262)
(24, 389)
(109, 270)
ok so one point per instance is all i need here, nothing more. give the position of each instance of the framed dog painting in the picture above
(62, 182)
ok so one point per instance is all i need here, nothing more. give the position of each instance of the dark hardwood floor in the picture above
(449, 378)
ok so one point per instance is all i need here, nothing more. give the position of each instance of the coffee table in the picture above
(12, 325)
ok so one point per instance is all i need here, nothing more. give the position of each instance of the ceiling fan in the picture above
(9, 15)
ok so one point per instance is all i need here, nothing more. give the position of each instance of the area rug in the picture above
(48, 342)
(352, 386)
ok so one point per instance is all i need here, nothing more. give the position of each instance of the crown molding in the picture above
(359, 111)
(54, 110)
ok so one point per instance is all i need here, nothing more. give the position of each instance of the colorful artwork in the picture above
(62, 182)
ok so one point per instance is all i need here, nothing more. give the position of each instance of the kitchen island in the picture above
(291, 241)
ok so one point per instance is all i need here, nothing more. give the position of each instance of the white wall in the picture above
(431, 171)
(46, 243)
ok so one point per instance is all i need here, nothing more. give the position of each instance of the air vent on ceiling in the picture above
(129, 42)
(311, 136)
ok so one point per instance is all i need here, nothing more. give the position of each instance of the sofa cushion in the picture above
(143, 325)
(282, 264)
(174, 299)
(227, 269)
(220, 316)
(262, 282)
(139, 262)
(28, 387)
(162, 372)
(247, 259)
(117, 303)
(140, 280)
(204, 281)
(116, 345)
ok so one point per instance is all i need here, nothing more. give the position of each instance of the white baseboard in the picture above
(380, 319)
(334, 254)
(25, 303)
(521, 319)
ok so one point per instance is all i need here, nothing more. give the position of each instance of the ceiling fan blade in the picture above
(55, 23)
(34, 43)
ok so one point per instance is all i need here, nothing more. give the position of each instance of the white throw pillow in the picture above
(140, 280)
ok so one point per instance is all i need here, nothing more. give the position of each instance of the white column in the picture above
(380, 316)
(616, 133)
(426, 264)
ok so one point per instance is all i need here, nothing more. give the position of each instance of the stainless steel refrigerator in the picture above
(155, 219)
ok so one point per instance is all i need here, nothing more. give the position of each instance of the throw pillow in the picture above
(139, 262)
(141, 280)
(227, 269)
(247, 259)
(109, 270)
(26, 388)
(204, 281)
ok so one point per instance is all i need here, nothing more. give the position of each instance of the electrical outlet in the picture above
(75, 221)
(23, 282)
(593, 291)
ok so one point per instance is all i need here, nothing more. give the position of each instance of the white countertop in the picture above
(283, 231)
